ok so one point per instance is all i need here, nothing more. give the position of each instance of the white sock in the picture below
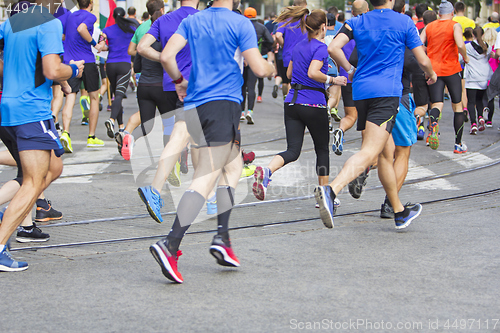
(2, 247)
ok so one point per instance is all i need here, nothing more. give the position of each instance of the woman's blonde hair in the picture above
(310, 22)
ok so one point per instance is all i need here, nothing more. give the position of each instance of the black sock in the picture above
(458, 123)
(30, 227)
(225, 203)
(42, 203)
(401, 214)
(187, 210)
(434, 115)
(92, 136)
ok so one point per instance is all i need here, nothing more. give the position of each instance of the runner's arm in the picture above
(335, 50)
(314, 72)
(169, 62)
(144, 48)
(423, 36)
(54, 70)
(84, 32)
(289, 70)
(425, 63)
(459, 40)
(279, 38)
(259, 66)
(102, 46)
(132, 49)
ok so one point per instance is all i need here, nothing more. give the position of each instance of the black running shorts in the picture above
(347, 95)
(214, 123)
(379, 111)
(420, 90)
(454, 84)
(90, 79)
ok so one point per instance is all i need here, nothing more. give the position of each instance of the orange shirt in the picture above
(441, 47)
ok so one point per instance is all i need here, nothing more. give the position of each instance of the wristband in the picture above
(350, 71)
(179, 80)
(75, 70)
(93, 42)
(327, 79)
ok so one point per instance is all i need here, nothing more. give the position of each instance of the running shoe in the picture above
(481, 126)
(109, 108)
(85, 106)
(262, 179)
(386, 211)
(427, 139)
(9, 264)
(336, 204)
(242, 117)
(473, 129)
(489, 124)
(66, 142)
(184, 160)
(259, 99)
(151, 197)
(127, 146)
(446, 97)
(223, 252)
(356, 186)
(323, 195)
(421, 133)
(486, 110)
(31, 234)
(249, 117)
(119, 141)
(110, 128)
(460, 149)
(94, 142)
(404, 218)
(174, 178)
(434, 136)
(84, 122)
(46, 214)
(466, 115)
(275, 91)
(248, 157)
(211, 207)
(58, 129)
(338, 141)
(335, 114)
(167, 260)
(330, 125)
(248, 171)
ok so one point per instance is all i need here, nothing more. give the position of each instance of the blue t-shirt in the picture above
(118, 42)
(162, 29)
(216, 35)
(292, 34)
(305, 52)
(381, 38)
(27, 93)
(78, 48)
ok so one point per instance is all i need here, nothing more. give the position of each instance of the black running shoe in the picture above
(34, 234)
(275, 91)
(119, 140)
(50, 214)
(356, 186)
(410, 213)
(386, 211)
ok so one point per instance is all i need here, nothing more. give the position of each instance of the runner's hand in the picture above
(431, 79)
(351, 76)
(78, 63)
(340, 80)
(466, 59)
(65, 87)
(181, 89)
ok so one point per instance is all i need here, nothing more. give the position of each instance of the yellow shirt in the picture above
(491, 25)
(465, 22)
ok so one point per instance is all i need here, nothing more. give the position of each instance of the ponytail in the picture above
(478, 33)
(123, 23)
(310, 23)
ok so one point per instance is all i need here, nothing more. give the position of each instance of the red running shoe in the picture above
(223, 252)
(127, 146)
(166, 260)
(259, 99)
(248, 158)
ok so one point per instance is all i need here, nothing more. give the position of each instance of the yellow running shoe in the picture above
(94, 142)
(66, 142)
(174, 178)
(248, 171)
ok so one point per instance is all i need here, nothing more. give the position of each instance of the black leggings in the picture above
(119, 76)
(475, 102)
(151, 97)
(454, 84)
(249, 81)
(260, 86)
(297, 118)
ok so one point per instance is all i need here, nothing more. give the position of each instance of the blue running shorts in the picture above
(404, 132)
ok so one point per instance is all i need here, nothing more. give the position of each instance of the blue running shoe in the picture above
(8, 264)
(421, 133)
(325, 198)
(262, 178)
(211, 207)
(338, 141)
(404, 218)
(153, 201)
